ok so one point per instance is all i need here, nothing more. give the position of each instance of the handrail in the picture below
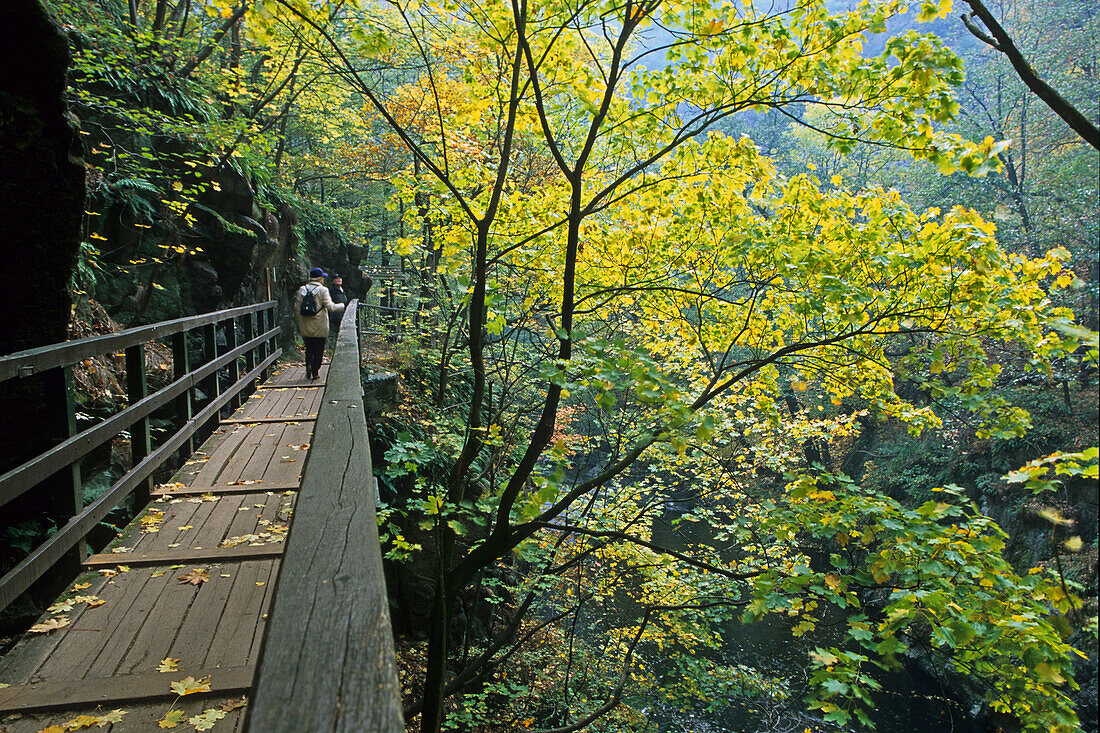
(46, 471)
(19, 479)
(32, 361)
(19, 578)
(327, 660)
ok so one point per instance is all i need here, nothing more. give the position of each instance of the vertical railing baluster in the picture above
(248, 329)
(64, 488)
(209, 354)
(137, 388)
(181, 365)
(233, 366)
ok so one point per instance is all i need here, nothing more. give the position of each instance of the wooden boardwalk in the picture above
(181, 597)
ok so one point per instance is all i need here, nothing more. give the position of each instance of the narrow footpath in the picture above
(163, 631)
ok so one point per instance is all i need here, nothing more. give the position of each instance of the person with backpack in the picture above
(336, 291)
(312, 304)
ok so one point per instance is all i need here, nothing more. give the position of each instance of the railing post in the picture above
(267, 318)
(233, 366)
(137, 388)
(210, 352)
(64, 488)
(181, 364)
(249, 329)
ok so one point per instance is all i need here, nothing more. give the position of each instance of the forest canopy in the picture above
(670, 269)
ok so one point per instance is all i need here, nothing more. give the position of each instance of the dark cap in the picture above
(317, 272)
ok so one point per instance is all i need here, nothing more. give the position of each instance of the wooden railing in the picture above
(328, 659)
(250, 334)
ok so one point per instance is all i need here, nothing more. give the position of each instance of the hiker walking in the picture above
(336, 291)
(312, 304)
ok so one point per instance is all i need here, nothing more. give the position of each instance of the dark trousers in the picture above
(315, 349)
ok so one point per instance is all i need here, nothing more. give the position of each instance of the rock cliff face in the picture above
(41, 200)
(41, 179)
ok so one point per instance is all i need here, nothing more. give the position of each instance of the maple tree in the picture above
(671, 289)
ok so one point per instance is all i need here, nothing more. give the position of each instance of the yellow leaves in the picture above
(168, 664)
(195, 577)
(49, 626)
(190, 686)
(207, 719)
(82, 722)
(172, 719)
(1073, 544)
(1054, 516)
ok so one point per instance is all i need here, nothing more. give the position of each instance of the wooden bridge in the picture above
(248, 595)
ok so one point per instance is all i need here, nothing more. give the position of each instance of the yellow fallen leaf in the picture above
(190, 685)
(206, 719)
(172, 718)
(82, 586)
(185, 527)
(197, 576)
(168, 664)
(50, 625)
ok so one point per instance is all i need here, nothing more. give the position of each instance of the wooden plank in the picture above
(195, 640)
(312, 385)
(233, 643)
(31, 361)
(142, 715)
(22, 661)
(253, 464)
(253, 420)
(259, 487)
(185, 555)
(310, 677)
(19, 578)
(128, 606)
(108, 691)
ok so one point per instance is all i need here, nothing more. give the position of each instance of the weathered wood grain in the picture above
(327, 661)
(96, 691)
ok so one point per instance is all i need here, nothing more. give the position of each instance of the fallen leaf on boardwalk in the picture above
(82, 586)
(158, 572)
(168, 664)
(108, 572)
(190, 685)
(172, 719)
(150, 522)
(226, 575)
(92, 601)
(3, 685)
(53, 729)
(261, 506)
(288, 459)
(261, 582)
(81, 721)
(207, 719)
(61, 607)
(195, 577)
(50, 625)
(243, 508)
(122, 549)
(122, 568)
(303, 446)
(115, 716)
(185, 527)
(249, 482)
(174, 544)
(231, 705)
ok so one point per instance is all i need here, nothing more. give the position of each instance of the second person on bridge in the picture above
(312, 306)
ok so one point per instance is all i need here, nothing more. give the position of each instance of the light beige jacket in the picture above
(315, 326)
